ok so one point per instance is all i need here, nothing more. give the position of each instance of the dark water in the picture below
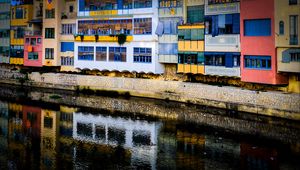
(42, 137)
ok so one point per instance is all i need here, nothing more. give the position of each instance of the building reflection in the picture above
(66, 138)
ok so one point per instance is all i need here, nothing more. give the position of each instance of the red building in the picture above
(33, 51)
(258, 52)
(32, 121)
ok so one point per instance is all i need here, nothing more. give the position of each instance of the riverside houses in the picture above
(100, 25)
(4, 30)
(222, 38)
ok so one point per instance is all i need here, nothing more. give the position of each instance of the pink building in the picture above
(33, 50)
(258, 52)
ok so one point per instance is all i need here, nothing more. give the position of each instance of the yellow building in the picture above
(287, 41)
(20, 16)
(191, 39)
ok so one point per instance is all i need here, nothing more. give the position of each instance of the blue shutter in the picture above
(215, 27)
(120, 4)
(66, 46)
(257, 27)
(167, 27)
(228, 60)
(81, 5)
(236, 23)
(221, 21)
(228, 19)
(160, 29)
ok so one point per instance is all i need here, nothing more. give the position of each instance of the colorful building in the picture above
(170, 14)
(33, 45)
(191, 39)
(222, 38)
(259, 60)
(102, 29)
(287, 41)
(4, 31)
(68, 30)
(21, 14)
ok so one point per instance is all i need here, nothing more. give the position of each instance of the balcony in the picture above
(170, 12)
(72, 15)
(92, 38)
(223, 71)
(288, 60)
(168, 59)
(226, 8)
(187, 45)
(190, 68)
(33, 33)
(223, 43)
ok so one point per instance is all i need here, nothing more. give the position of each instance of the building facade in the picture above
(191, 39)
(222, 38)
(21, 14)
(258, 54)
(287, 41)
(4, 31)
(103, 24)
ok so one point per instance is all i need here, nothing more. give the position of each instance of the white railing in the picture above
(223, 43)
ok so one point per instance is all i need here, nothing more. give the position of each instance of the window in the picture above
(101, 53)
(71, 8)
(168, 48)
(191, 34)
(17, 51)
(86, 53)
(222, 24)
(143, 26)
(68, 29)
(27, 40)
(18, 32)
(258, 62)
(39, 40)
(295, 57)
(281, 28)
(215, 60)
(294, 30)
(33, 56)
(67, 61)
(293, 2)
(191, 58)
(49, 32)
(167, 27)
(96, 5)
(257, 27)
(142, 55)
(33, 41)
(19, 13)
(195, 14)
(4, 33)
(48, 122)
(105, 27)
(170, 3)
(142, 3)
(50, 13)
(66, 46)
(4, 15)
(49, 53)
(4, 51)
(117, 54)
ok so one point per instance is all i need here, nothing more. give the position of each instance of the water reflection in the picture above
(71, 138)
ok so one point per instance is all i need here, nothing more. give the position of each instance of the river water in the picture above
(35, 134)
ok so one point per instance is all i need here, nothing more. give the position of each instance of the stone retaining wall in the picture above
(270, 103)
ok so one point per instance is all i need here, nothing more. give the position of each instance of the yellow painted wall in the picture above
(282, 12)
(294, 84)
(190, 46)
(91, 38)
(28, 17)
(190, 68)
(104, 12)
(17, 61)
(198, 26)
(194, 2)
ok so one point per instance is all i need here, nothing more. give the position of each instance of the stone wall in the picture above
(269, 103)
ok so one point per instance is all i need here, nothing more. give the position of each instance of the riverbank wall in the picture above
(269, 103)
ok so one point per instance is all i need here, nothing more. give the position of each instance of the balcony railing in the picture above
(230, 43)
(72, 15)
(33, 33)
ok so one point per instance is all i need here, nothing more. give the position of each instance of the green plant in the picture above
(122, 39)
